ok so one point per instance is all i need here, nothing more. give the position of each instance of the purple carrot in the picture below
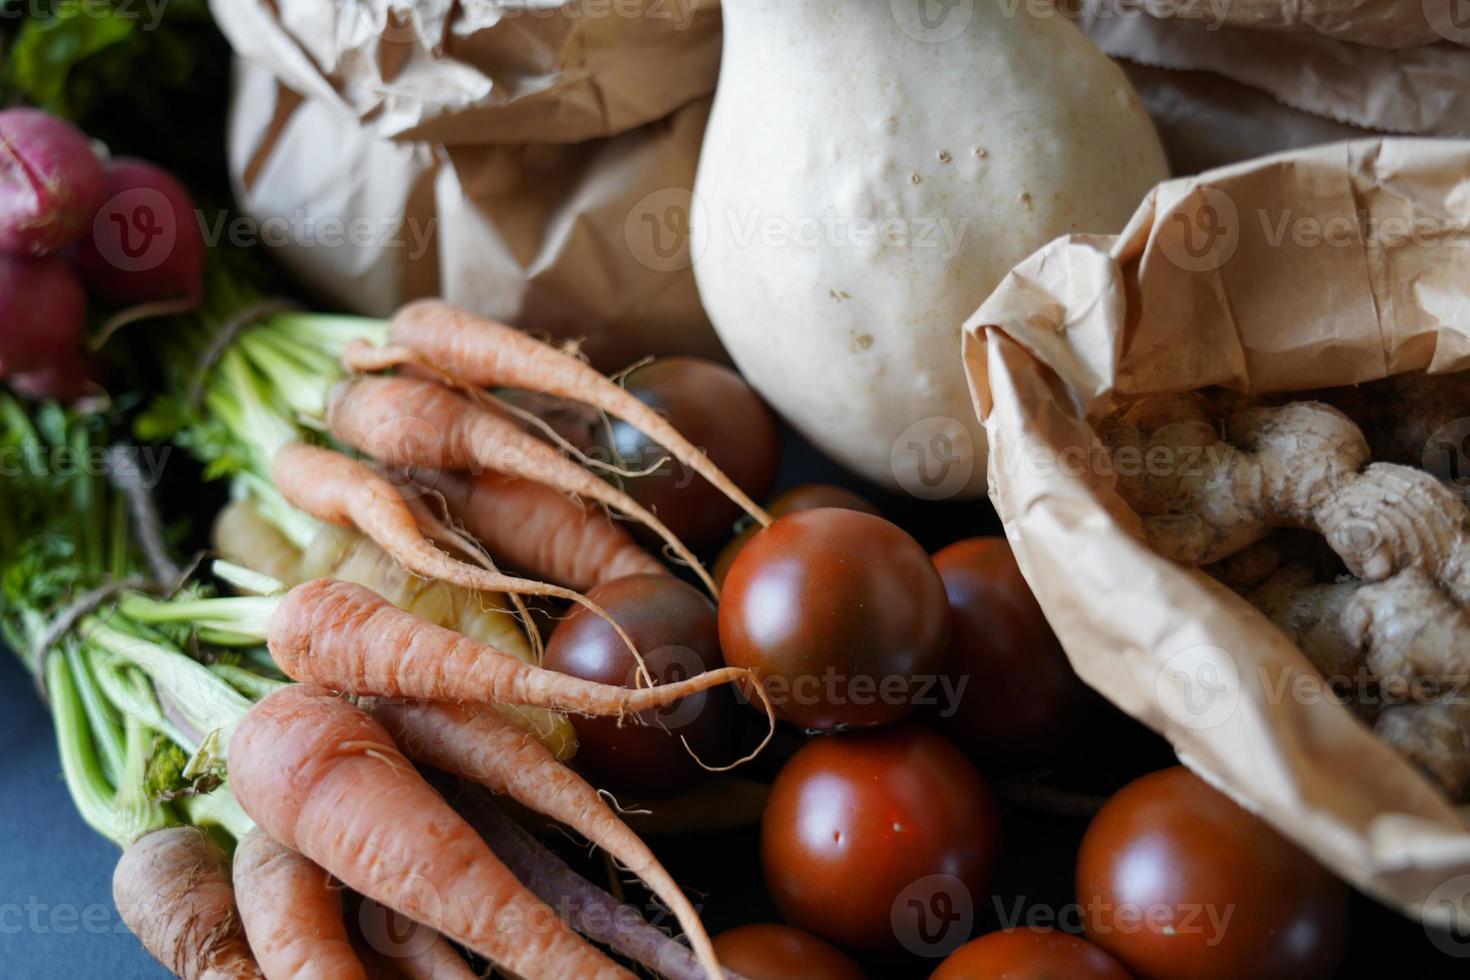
(588, 909)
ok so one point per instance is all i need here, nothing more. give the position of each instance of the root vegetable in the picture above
(1435, 736)
(415, 952)
(241, 535)
(1213, 497)
(1310, 612)
(146, 246)
(489, 354)
(344, 554)
(712, 407)
(408, 422)
(479, 746)
(589, 909)
(342, 491)
(292, 913)
(51, 182)
(42, 313)
(347, 638)
(1402, 535)
(172, 888)
(76, 374)
(322, 777)
(528, 525)
(678, 629)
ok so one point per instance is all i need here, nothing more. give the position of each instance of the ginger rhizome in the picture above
(1215, 478)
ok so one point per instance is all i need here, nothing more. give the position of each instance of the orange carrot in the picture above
(478, 745)
(348, 638)
(530, 526)
(339, 490)
(172, 888)
(488, 354)
(411, 422)
(415, 951)
(322, 777)
(292, 913)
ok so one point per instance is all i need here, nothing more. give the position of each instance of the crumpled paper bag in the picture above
(1328, 266)
(485, 71)
(527, 159)
(1226, 80)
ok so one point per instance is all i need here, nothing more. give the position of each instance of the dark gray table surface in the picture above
(57, 919)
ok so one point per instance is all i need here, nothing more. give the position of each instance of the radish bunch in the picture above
(73, 223)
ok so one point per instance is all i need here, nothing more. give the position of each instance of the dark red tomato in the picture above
(1029, 954)
(769, 951)
(841, 614)
(1018, 702)
(878, 839)
(717, 411)
(1180, 883)
(808, 496)
(674, 627)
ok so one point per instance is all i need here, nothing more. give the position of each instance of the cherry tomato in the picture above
(768, 951)
(674, 627)
(841, 614)
(873, 839)
(1029, 954)
(1180, 883)
(808, 496)
(717, 411)
(1019, 703)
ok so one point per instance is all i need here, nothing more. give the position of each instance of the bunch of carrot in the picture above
(327, 779)
(272, 911)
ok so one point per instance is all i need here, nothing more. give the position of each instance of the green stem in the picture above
(80, 767)
(130, 692)
(137, 814)
(101, 719)
(247, 682)
(205, 702)
(218, 808)
(245, 617)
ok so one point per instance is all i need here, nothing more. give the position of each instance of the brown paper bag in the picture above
(527, 159)
(1227, 80)
(1334, 265)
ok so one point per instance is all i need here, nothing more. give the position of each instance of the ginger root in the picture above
(1203, 498)
(1209, 493)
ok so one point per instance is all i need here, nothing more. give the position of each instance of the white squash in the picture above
(871, 170)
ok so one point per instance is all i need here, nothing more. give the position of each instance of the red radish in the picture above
(50, 182)
(146, 245)
(65, 380)
(42, 313)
